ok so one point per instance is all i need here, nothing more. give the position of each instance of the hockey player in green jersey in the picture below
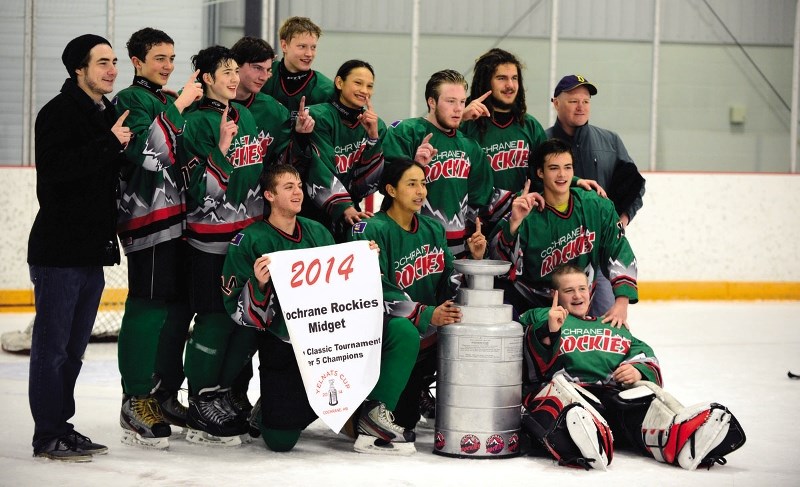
(150, 226)
(293, 77)
(594, 387)
(419, 281)
(223, 158)
(283, 410)
(459, 179)
(506, 132)
(576, 226)
(254, 57)
(347, 161)
(283, 140)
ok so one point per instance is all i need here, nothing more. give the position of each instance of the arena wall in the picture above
(698, 236)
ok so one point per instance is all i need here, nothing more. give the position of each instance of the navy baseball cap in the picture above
(572, 81)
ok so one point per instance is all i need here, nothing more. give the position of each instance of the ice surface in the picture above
(734, 353)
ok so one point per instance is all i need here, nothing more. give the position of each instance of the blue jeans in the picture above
(603, 296)
(66, 306)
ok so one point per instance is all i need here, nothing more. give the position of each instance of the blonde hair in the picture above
(294, 26)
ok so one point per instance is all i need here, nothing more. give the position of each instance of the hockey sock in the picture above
(137, 345)
(398, 356)
(242, 381)
(241, 347)
(169, 360)
(205, 351)
(279, 440)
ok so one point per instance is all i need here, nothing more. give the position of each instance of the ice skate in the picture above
(240, 402)
(255, 420)
(212, 421)
(379, 434)
(143, 423)
(171, 407)
(427, 406)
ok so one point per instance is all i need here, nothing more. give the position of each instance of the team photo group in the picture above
(242, 200)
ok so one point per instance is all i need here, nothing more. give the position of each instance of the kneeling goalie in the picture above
(598, 379)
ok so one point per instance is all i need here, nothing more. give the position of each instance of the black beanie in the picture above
(77, 49)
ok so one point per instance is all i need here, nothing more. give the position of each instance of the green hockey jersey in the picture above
(315, 86)
(585, 235)
(459, 178)
(508, 146)
(151, 201)
(246, 304)
(417, 270)
(223, 194)
(588, 350)
(273, 120)
(346, 166)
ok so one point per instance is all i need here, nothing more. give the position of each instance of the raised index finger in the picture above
(427, 138)
(555, 298)
(527, 187)
(193, 77)
(302, 105)
(485, 95)
(477, 225)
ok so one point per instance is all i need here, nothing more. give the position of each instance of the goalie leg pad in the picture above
(569, 426)
(699, 435)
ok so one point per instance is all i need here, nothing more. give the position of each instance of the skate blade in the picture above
(202, 438)
(426, 423)
(376, 446)
(133, 438)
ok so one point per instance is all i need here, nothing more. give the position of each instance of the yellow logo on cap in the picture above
(580, 78)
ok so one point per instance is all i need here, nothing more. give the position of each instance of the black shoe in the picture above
(63, 450)
(85, 444)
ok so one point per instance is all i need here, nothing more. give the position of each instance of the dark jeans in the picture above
(66, 306)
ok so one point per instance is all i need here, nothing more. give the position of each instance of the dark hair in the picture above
(143, 40)
(485, 66)
(437, 79)
(346, 68)
(392, 174)
(549, 146)
(209, 59)
(563, 270)
(298, 25)
(268, 180)
(250, 49)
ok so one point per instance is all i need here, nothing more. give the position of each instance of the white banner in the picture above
(332, 301)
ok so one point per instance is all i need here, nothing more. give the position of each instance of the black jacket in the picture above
(77, 179)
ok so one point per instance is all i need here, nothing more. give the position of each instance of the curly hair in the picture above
(485, 67)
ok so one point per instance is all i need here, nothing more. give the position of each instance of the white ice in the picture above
(733, 353)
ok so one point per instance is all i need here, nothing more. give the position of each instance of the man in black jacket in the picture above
(78, 154)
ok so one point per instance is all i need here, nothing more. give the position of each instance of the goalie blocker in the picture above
(565, 418)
